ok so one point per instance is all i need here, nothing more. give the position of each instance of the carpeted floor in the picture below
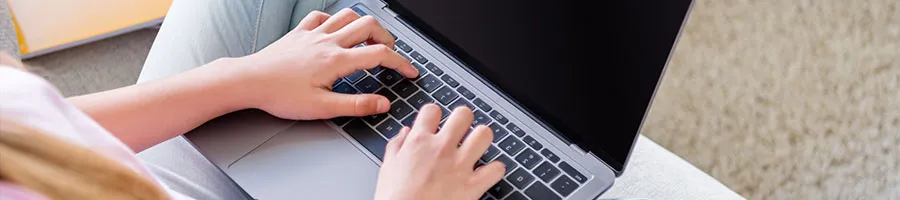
(778, 99)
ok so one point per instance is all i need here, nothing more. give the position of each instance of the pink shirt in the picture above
(32, 101)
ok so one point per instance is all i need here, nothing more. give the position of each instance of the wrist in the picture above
(225, 80)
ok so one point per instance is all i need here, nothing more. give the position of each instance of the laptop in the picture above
(564, 85)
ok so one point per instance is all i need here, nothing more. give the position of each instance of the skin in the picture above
(291, 79)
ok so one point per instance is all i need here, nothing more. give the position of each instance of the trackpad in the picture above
(309, 160)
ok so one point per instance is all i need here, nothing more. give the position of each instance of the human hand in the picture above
(419, 164)
(292, 77)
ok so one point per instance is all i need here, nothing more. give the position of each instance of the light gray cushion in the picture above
(653, 172)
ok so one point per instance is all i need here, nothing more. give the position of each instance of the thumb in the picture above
(487, 176)
(357, 105)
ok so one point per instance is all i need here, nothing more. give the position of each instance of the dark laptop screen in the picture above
(586, 68)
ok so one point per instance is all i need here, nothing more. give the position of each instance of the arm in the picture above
(146, 114)
(291, 78)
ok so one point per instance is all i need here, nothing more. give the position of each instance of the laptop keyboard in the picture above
(532, 171)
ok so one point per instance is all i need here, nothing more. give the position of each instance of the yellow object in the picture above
(48, 25)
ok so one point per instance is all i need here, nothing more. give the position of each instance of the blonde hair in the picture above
(58, 169)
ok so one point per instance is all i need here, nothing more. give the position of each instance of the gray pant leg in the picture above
(194, 33)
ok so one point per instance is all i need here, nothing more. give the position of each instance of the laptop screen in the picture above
(588, 69)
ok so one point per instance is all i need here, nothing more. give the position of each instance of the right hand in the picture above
(422, 164)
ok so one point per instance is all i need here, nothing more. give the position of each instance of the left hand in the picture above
(292, 77)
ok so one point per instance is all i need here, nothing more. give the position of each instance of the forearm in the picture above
(146, 114)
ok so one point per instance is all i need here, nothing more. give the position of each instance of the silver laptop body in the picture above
(272, 158)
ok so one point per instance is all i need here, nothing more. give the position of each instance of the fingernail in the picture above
(383, 106)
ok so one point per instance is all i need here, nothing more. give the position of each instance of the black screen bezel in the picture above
(467, 60)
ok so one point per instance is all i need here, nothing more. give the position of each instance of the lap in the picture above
(196, 32)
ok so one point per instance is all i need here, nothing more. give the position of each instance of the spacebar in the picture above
(367, 137)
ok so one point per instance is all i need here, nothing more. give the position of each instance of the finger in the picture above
(487, 176)
(396, 143)
(476, 144)
(338, 21)
(312, 20)
(364, 29)
(370, 56)
(338, 104)
(428, 119)
(457, 125)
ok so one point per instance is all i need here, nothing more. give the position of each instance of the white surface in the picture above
(655, 173)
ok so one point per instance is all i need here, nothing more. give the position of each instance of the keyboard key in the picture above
(520, 178)
(387, 94)
(546, 172)
(449, 80)
(539, 191)
(490, 153)
(355, 76)
(501, 189)
(389, 77)
(419, 99)
(511, 145)
(340, 121)
(374, 119)
(461, 102)
(532, 142)
(421, 69)
(434, 69)
(358, 11)
(499, 133)
(572, 172)
(465, 93)
(404, 55)
(367, 137)
(400, 109)
(429, 83)
(515, 129)
(510, 164)
(499, 117)
(480, 119)
(389, 128)
(403, 46)
(487, 196)
(529, 159)
(368, 85)
(550, 156)
(408, 121)
(445, 95)
(444, 114)
(483, 105)
(418, 57)
(344, 88)
(375, 70)
(516, 196)
(564, 186)
(405, 88)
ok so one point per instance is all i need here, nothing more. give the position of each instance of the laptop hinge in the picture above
(577, 149)
(389, 11)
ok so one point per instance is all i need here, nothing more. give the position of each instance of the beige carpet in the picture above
(778, 99)
(787, 99)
